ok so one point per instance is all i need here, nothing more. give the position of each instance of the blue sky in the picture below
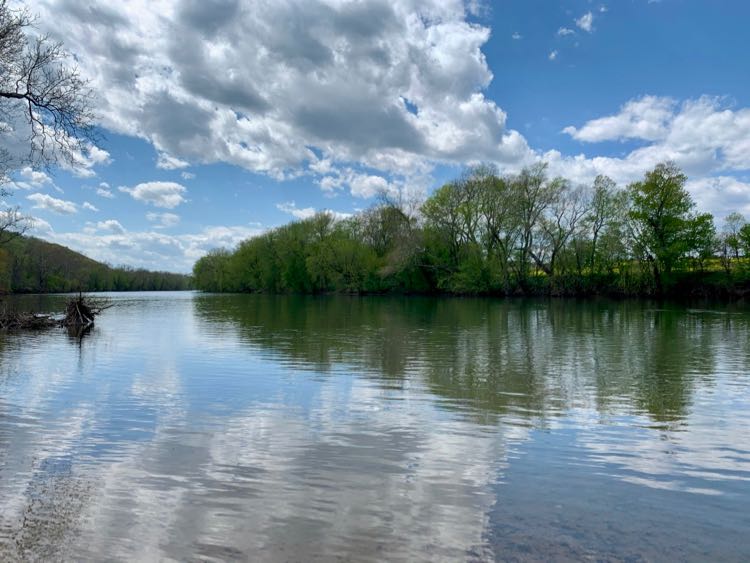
(222, 119)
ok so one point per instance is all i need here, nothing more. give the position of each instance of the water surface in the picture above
(206, 427)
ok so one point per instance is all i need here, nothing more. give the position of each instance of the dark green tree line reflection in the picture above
(530, 358)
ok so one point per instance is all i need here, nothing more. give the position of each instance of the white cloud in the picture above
(84, 163)
(163, 220)
(150, 249)
(169, 75)
(49, 203)
(368, 185)
(553, 55)
(517, 36)
(187, 175)
(159, 194)
(111, 225)
(291, 208)
(563, 31)
(721, 195)
(167, 162)
(89, 206)
(102, 192)
(360, 184)
(35, 178)
(28, 179)
(586, 22)
(40, 227)
(307, 212)
(702, 136)
(645, 118)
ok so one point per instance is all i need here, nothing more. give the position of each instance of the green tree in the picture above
(606, 212)
(533, 194)
(661, 219)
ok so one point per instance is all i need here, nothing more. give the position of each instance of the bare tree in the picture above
(45, 107)
(566, 209)
(40, 91)
(13, 223)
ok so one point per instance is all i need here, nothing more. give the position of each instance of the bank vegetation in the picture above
(492, 234)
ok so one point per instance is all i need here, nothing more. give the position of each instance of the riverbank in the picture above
(685, 286)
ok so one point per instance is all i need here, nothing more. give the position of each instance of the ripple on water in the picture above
(196, 427)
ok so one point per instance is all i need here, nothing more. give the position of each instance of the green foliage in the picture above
(30, 265)
(664, 228)
(489, 234)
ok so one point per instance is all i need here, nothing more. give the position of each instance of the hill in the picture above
(32, 265)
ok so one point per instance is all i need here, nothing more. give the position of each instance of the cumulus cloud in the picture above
(360, 184)
(586, 22)
(701, 135)
(360, 96)
(187, 175)
(89, 206)
(291, 208)
(707, 139)
(151, 249)
(163, 220)
(49, 203)
(28, 179)
(645, 118)
(563, 31)
(105, 193)
(159, 194)
(553, 55)
(391, 85)
(35, 178)
(40, 227)
(721, 195)
(168, 162)
(307, 212)
(111, 225)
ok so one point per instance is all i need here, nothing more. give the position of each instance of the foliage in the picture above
(30, 265)
(492, 234)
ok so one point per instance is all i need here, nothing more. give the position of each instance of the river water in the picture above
(220, 427)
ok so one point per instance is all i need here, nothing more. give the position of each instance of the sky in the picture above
(221, 119)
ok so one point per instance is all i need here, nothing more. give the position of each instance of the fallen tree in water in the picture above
(80, 313)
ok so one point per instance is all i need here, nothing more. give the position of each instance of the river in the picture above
(265, 428)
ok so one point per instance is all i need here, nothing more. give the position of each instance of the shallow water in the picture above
(203, 427)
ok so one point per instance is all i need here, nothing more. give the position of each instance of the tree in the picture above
(45, 108)
(660, 219)
(533, 194)
(567, 208)
(732, 225)
(43, 100)
(701, 238)
(12, 222)
(744, 237)
(606, 210)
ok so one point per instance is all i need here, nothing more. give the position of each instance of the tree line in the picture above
(487, 233)
(30, 265)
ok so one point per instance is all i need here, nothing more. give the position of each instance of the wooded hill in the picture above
(31, 265)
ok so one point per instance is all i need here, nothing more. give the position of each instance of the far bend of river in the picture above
(198, 427)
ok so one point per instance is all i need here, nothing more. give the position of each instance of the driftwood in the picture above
(80, 313)
(28, 321)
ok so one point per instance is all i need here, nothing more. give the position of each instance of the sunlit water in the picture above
(200, 427)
